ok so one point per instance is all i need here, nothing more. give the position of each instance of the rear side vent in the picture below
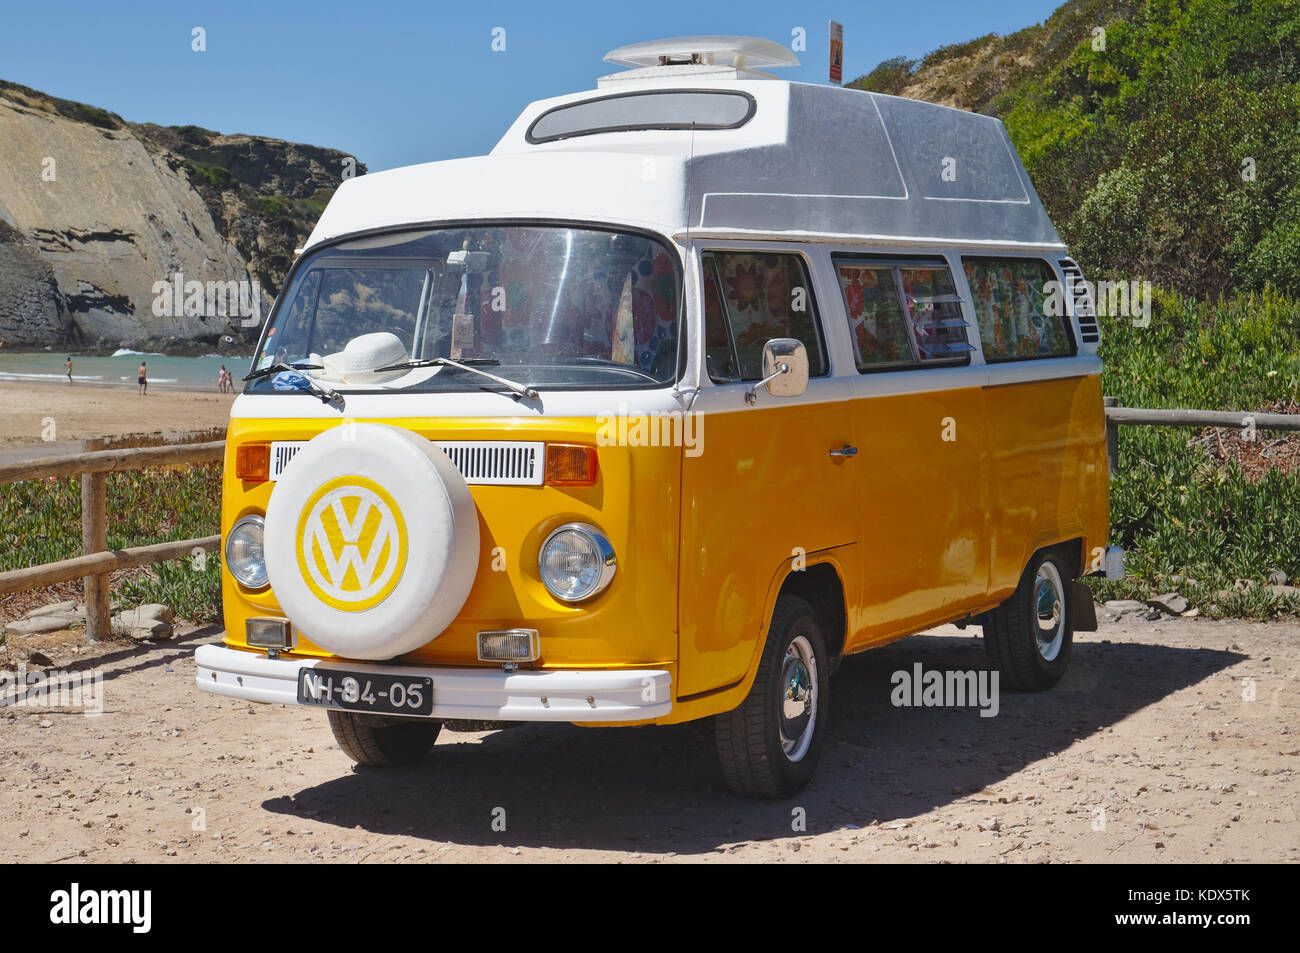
(1081, 295)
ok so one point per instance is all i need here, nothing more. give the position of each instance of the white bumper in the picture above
(474, 694)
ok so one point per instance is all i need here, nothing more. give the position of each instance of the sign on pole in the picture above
(837, 52)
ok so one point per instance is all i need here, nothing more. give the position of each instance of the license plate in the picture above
(370, 692)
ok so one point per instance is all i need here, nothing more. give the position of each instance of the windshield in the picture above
(538, 305)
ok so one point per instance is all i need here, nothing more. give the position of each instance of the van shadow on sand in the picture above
(658, 789)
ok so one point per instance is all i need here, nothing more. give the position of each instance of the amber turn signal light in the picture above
(570, 464)
(253, 462)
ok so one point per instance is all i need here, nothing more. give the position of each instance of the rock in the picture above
(1125, 605)
(78, 261)
(1282, 590)
(1170, 602)
(56, 608)
(153, 610)
(153, 630)
(40, 658)
(150, 621)
(46, 623)
(1277, 577)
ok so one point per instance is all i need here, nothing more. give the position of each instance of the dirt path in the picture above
(1149, 726)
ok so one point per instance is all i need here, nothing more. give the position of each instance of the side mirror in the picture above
(785, 369)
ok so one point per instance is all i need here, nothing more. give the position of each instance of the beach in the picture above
(57, 412)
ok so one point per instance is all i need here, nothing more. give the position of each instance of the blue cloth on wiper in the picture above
(290, 380)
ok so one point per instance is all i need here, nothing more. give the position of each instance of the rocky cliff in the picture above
(95, 211)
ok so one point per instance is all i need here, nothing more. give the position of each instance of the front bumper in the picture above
(459, 693)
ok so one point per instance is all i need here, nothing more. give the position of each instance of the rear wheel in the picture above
(769, 746)
(1029, 636)
(383, 741)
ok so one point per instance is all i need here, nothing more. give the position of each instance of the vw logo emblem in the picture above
(351, 543)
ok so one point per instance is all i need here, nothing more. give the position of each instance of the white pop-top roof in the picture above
(798, 161)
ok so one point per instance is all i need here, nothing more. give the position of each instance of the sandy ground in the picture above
(1150, 727)
(57, 413)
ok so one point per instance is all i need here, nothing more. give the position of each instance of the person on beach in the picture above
(142, 379)
(221, 380)
(69, 366)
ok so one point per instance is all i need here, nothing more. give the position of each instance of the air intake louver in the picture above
(480, 462)
(516, 464)
(1081, 295)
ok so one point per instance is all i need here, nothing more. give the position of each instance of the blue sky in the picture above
(395, 83)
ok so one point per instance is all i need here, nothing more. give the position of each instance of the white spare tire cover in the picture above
(371, 542)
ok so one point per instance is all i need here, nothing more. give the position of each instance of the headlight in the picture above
(576, 562)
(244, 557)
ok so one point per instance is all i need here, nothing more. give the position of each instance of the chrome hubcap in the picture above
(1049, 611)
(798, 698)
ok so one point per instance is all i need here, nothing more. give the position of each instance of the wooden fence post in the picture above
(1112, 436)
(94, 539)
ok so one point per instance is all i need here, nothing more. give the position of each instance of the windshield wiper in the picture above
(520, 390)
(278, 367)
(327, 395)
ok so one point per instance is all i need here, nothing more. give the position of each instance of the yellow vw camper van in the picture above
(697, 383)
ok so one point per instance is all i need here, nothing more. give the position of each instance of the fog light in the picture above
(508, 645)
(268, 634)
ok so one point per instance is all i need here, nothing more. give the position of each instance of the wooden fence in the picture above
(97, 561)
(1117, 416)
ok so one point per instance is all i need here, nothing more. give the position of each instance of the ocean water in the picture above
(164, 371)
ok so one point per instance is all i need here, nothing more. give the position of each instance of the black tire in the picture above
(754, 760)
(1016, 635)
(383, 741)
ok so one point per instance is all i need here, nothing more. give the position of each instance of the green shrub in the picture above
(42, 524)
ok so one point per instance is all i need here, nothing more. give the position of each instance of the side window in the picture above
(1010, 303)
(719, 349)
(750, 298)
(902, 314)
(875, 316)
(935, 310)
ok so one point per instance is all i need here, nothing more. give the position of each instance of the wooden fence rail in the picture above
(97, 561)
(1117, 416)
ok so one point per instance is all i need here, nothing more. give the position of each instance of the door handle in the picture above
(845, 452)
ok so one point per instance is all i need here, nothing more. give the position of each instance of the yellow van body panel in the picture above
(1051, 481)
(764, 492)
(923, 500)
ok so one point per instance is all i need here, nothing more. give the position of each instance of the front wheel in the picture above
(1029, 637)
(383, 741)
(769, 746)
